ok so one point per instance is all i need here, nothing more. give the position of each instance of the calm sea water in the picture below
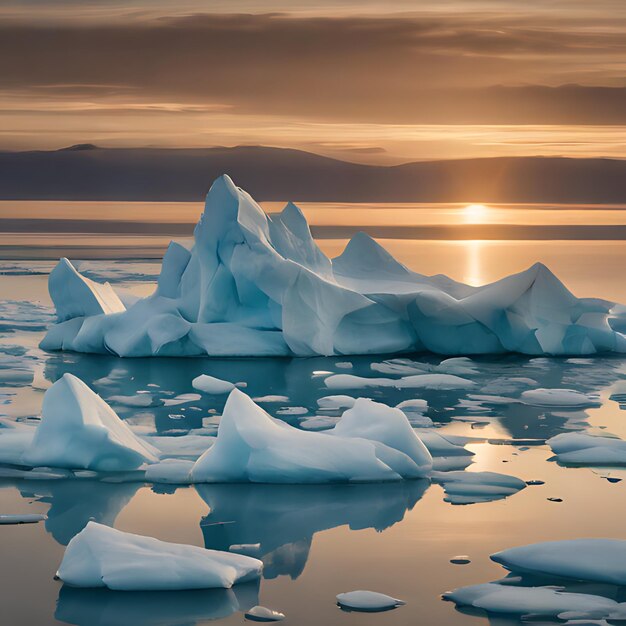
(316, 541)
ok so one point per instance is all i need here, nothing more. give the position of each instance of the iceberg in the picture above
(258, 285)
(371, 443)
(592, 560)
(100, 556)
(79, 430)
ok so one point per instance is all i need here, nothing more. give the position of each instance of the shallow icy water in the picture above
(315, 541)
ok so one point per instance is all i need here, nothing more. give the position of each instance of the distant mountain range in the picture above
(87, 172)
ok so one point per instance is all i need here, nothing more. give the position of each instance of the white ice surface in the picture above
(474, 487)
(100, 556)
(586, 449)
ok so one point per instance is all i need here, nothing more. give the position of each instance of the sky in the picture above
(378, 82)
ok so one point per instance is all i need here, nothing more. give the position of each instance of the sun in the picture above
(475, 213)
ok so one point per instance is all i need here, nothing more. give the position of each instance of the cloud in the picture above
(431, 69)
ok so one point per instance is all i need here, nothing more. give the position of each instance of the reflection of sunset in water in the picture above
(473, 274)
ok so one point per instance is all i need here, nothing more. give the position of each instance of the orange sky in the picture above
(382, 82)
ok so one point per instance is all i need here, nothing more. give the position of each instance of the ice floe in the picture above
(253, 446)
(593, 560)
(417, 381)
(24, 518)
(368, 601)
(263, 614)
(210, 384)
(474, 487)
(258, 285)
(559, 398)
(588, 449)
(100, 556)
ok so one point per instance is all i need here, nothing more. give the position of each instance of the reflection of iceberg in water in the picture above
(284, 518)
(73, 503)
(102, 607)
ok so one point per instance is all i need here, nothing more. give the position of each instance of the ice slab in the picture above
(212, 385)
(474, 487)
(263, 614)
(588, 449)
(24, 518)
(100, 556)
(368, 601)
(593, 560)
(252, 446)
(254, 285)
(78, 429)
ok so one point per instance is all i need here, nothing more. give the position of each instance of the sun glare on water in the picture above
(475, 213)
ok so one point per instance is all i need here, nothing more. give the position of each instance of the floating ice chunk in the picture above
(271, 399)
(212, 385)
(537, 601)
(418, 381)
(336, 402)
(416, 405)
(474, 487)
(593, 560)
(25, 518)
(100, 556)
(263, 614)
(319, 422)
(172, 471)
(344, 365)
(79, 429)
(399, 368)
(76, 296)
(588, 449)
(368, 601)
(141, 399)
(183, 398)
(559, 397)
(252, 446)
(292, 410)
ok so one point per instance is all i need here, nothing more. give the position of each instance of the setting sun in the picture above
(475, 213)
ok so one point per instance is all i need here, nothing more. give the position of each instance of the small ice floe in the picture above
(532, 483)
(592, 560)
(441, 382)
(474, 487)
(100, 556)
(26, 518)
(545, 602)
(212, 385)
(141, 400)
(336, 402)
(372, 442)
(170, 471)
(344, 365)
(319, 422)
(183, 398)
(270, 399)
(245, 548)
(399, 367)
(461, 559)
(367, 601)
(587, 449)
(79, 430)
(559, 398)
(263, 614)
(292, 410)
(416, 405)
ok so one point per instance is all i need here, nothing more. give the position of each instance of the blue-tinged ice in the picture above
(254, 285)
